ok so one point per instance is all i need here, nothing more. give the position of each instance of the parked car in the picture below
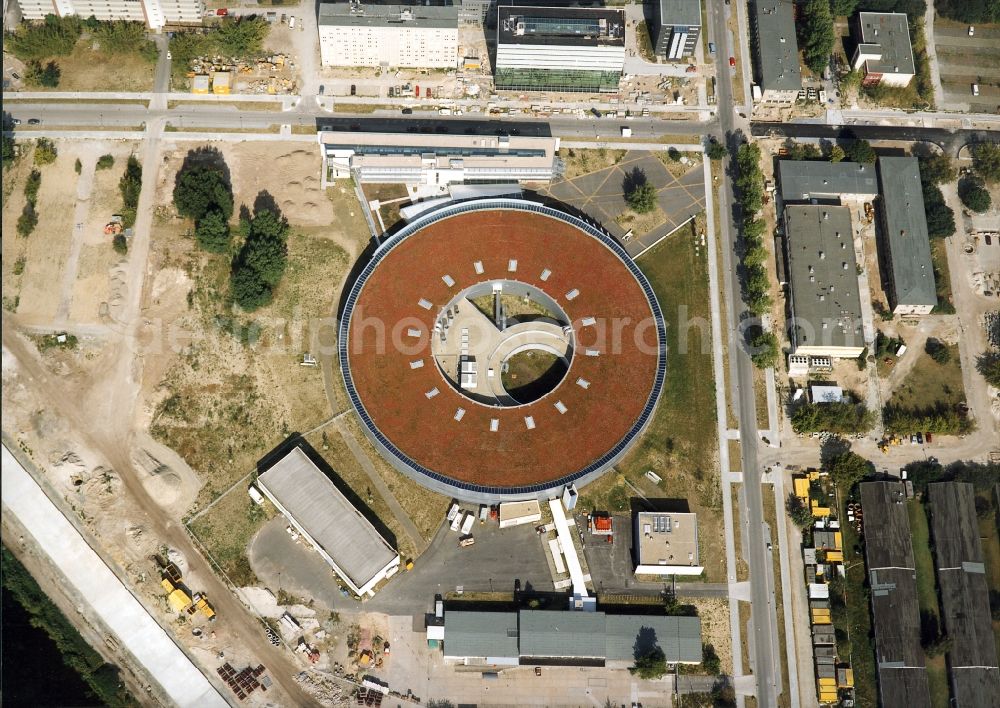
(169, 56)
(354, 89)
(972, 31)
(407, 111)
(15, 121)
(920, 438)
(322, 89)
(732, 61)
(929, 437)
(34, 121)
(913, 439)
(975, 89)
(711, 47)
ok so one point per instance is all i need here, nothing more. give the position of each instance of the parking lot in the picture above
(964, 61)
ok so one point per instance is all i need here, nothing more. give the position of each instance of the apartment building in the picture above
(156, 14)
(398, 34)
(567, 49)
(776, 51)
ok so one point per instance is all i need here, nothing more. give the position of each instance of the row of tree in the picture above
(833, 417)
(750, 195)
(936, 170)
(235, 37)
(203, 193)
(943, 419)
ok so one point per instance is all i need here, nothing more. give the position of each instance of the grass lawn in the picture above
(641, 224)
(930, 383)
(87, 69)
(227, 528)
(532, 374)
(680, 444)
(676, 167)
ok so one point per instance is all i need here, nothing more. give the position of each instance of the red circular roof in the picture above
(394, 394)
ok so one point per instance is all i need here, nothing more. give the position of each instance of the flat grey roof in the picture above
(377, 14)
(892, 580)
(680, 12)
(560, 633)
(823, 276)
(678, 637)
(965, 604)
(906, 231)
(561, 26)
(777, 48)
(891, 31)
(481, 634)
(326, 515)
(802, 180)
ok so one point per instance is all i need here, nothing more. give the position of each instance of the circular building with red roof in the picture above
(499, 349)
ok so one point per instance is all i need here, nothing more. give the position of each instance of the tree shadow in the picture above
(645, 642)
(634, 179)
(264, 201)
(832, 448)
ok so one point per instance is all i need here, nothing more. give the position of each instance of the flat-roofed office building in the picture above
(567, 49)
(678, 28)
(338, 531)
(666, 543)
(776, 52)
(883, 53)
(824, 298)
(435, 159)
(156, 14)
(422, 35)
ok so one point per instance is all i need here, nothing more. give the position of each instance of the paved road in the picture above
(764, 657)
(949, 140)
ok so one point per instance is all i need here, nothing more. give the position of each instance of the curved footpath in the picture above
(121, 612)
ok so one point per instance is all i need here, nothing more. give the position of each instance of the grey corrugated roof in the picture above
(680, 12)
(777, 49)
(481, 634)
(558, 633)
(823, 276)
(377, 14)
(678, 637)
(327, 516)
(906, 231)
(891, 32)
(802, 180)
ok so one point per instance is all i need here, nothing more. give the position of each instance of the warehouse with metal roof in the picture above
(905, 247)
(805, 180)
(567, 638)
(338, 531)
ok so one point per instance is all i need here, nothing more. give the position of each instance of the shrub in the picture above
(130, 185)
(28, 220)
(835, 417)
(45, 152)
(937, 350)
(716, 150)
(261, 262)
(798, 512)
(105, 162)
(816, 34)
(988, 365)
(78, 166)
(642, 198)
(38, 74)
(120, 244)
(764, 350)
(123, 37)
(674, 154)
(837, 154)
(32, 185)
(861, 151)
(212, 232)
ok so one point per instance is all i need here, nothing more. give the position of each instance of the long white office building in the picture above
(156, 14)
(436, 159)
(573, 49)
(400, 34)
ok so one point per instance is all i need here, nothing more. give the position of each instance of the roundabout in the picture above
(499, 349)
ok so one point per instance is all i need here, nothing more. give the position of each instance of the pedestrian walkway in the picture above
(95, 585)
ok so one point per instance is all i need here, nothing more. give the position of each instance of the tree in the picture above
(28, 220)
(832, 417)
(105, 162)
(674, 154)
(936, 169)
(974, 195)
(651, 664)
(937, 350)
(120, 244)
(861, 151)
(716, 150)
(242, 36)
(261, 262)
(798, 512)
(45, 152)
(988, 365)
(642, 197)
(130, 185)
(986, 161)
(764, 350)
(940, 216)
(199, 189)
(848, 469)
(843, 8)
(53, 37)
(212, 232)
(837, 154)
(710, 660)
(816, 34)
(32, 185)
(124, 37)
(38, 74)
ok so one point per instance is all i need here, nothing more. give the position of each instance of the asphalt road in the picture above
(763, 654)
(949, 140)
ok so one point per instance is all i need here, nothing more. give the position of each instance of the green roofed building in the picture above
(565, 49)
(481, 637)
